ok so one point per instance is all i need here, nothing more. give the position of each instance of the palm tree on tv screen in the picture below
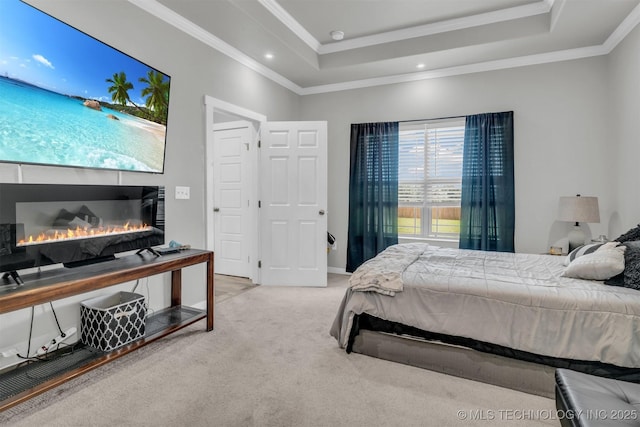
(120, 94)
(157, 93)
(120, 88)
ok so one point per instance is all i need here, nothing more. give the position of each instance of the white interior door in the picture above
(293, 195)
(232, 194)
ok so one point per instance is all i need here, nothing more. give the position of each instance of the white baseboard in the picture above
(337, 270)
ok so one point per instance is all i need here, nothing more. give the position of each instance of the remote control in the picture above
(173, 249)
(56, 341)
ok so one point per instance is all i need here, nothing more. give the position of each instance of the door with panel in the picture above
(232, 184)
(293, 197)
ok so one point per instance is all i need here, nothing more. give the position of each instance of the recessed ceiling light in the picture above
(268, 55)
(336, 35)
(420, 66)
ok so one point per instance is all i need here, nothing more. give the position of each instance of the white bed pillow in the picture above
(602, 264)
(582, 250)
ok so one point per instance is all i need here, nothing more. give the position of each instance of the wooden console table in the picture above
(51, 285)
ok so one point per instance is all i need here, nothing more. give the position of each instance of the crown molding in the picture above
(556, 11)
(502, 15)
(160, 11)
(501, 64)
(455, 24)
(169, 16)
(290, 22)
(625, 27)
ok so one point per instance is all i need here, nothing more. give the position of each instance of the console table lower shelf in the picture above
(19, 384)
(66, 363)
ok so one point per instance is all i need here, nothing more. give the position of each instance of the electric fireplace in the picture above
(42, 224)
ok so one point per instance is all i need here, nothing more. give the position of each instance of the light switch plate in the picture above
(182, 193)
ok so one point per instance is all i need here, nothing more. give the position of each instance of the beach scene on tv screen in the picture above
(69, 99)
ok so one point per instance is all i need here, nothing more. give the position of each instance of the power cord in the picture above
(136, 286)
(29, 342)
(28, 358)
(149, 310)
(147, 303)
(62, 334)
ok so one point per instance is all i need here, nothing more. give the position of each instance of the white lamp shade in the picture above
(579, 209)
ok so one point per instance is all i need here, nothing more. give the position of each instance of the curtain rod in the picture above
(434, 119)
(444, 118)
(426, 120)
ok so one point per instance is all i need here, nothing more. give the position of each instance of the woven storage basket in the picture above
(109, 322)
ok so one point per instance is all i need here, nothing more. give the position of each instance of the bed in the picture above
(506, 318)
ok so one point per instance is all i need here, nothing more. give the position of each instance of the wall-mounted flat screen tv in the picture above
(68, 99)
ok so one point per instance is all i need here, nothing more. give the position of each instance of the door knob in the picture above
(216, 209)
(321, 212)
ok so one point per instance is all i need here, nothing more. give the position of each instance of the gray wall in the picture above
(196, 71)
(624, 80)
(561, 137)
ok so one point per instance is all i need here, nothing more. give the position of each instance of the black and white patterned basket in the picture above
(109, 322)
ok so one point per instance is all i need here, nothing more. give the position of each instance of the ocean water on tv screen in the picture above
(40, 126)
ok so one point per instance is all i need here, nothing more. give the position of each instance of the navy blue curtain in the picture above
(373, 191)
(487, 217)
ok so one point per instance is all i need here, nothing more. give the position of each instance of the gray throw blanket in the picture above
(383, 273)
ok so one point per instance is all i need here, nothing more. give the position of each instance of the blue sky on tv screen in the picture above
(39, 49)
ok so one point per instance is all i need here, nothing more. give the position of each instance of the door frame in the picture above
(212, 106)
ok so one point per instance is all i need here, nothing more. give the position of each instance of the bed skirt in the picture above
(468, 358)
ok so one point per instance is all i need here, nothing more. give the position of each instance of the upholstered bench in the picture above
(587, 400)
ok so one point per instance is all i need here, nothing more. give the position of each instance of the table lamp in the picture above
(578, 209)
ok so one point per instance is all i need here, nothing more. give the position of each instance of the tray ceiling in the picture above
(386, 40)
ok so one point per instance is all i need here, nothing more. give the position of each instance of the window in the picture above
(430, 178)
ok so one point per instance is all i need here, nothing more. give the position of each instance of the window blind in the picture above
(430, 164)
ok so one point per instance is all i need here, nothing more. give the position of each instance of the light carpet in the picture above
(271, 362)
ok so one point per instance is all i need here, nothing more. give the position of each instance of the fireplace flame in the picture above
(82, 233)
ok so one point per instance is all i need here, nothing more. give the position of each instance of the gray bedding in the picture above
(514, 300)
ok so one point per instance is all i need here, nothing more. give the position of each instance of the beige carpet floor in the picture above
(271, 362)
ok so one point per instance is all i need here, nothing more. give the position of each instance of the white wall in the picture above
(560, 132)
(196, 71)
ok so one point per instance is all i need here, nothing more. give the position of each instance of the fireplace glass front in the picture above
(43, 224)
